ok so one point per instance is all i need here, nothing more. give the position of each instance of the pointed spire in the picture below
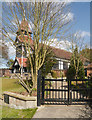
(24, 13)
(24, 17)
(24, 24)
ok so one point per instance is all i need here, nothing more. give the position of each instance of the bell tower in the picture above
(23, 35)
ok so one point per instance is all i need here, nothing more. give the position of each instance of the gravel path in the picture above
(63, 111)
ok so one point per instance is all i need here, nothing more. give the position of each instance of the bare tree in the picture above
(48, 20)
(4, 53)
(77, 43)
(4, 50)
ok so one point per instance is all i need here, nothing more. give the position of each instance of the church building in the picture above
(20, 63)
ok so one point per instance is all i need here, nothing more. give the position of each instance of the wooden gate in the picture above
(63, 91)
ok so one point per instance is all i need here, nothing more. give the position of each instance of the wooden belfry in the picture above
(23, 35)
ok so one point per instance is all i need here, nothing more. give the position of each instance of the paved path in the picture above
(62, 111)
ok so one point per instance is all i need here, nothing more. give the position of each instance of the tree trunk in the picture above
(35, 81)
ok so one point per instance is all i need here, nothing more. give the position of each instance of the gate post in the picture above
(68, 93)
(43, 85)
(38, 88)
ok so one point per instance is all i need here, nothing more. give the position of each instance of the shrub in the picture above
(81, 72)
(54, 74)
(71, 72)
(76, 68)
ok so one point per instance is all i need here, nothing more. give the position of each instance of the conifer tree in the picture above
(76, 68)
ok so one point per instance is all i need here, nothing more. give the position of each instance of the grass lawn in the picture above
(11, 85)
(16, 113)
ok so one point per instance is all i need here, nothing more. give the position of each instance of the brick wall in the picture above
(89, 71)
(5, 72)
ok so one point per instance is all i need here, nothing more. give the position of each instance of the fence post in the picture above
(38, 88)
(89, 91)
(43, 85)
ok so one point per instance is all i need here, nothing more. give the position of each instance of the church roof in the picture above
(20, 61)
(24, 26)
(26, 38)
(60, 53)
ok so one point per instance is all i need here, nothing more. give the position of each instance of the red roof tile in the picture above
(63, 54)
(59, 53)
(20, 61)
(25, 38)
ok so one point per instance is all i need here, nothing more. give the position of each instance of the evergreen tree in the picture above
(81, 73)
(76, 68)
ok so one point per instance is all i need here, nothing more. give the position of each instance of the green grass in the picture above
(17, 113)
(0, 112)
(11, 85)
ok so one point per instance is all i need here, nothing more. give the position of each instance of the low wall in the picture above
(25, 75)
(19, 101)
(89, 71)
